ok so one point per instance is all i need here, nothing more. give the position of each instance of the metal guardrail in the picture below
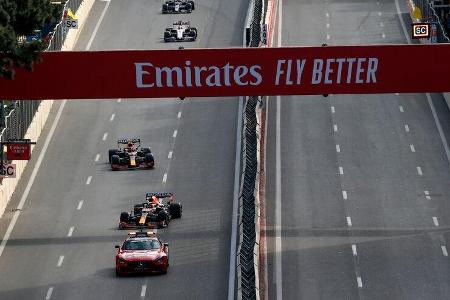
(248, 247)
(20, 117)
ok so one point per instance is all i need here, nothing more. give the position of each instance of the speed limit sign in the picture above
(71, 23)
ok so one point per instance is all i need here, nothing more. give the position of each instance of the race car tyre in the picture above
(111, 152)
(146, 150)
(192, 4)
(163, 217)
(192, 33)
(149, 158)
(166, 36)
(175, 210)
(164, 8)
(115, 160)
(124, 217)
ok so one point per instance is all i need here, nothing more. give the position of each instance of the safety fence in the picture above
(423, 11)
(248, 244)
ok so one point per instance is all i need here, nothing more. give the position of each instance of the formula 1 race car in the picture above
(178, 6)
(131, 156)
(158, 210)
(142, 252)
(180, 32)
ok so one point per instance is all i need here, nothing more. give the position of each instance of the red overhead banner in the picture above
(234, 72)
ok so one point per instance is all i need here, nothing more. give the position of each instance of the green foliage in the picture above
(20, 18)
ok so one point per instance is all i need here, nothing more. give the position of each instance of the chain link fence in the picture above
(429, 14)
(22, 112)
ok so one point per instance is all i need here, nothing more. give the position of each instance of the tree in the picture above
(19, 18)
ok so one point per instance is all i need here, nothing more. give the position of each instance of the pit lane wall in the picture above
(33, 133)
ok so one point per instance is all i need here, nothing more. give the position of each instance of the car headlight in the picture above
(122, 260)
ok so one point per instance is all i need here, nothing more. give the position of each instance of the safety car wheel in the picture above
(175, 210)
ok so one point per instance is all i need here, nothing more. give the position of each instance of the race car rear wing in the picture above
(126, 141)
(159, 195)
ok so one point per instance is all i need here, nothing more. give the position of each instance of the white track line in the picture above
(435, 221)
(164, 178)
(119, 100)
(335, 128)
(333, 110)
(344, 195)
(97, 26)
(383, 35)
(349, 222)
(338, 148)
(170, 155)
(60, 261)
(105, 135)
(419, 171)
(444, 250)
(354, 251)
(143, 290)
(48, 296)
(80, 204)
(341, 170)
(88, 180)
(70, 233)
(397, 94)
(175, 133)
(112, 117)
(179, 115)
(412, 148)
(406, 128)
(401, 108)
(24, 197)
(359, 281)
(97, 157)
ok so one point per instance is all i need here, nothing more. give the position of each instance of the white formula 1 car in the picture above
(180, 32)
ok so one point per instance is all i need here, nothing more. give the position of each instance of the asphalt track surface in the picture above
(364, 178)
(194, 146)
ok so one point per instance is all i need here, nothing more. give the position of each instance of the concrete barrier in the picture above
(8, 185)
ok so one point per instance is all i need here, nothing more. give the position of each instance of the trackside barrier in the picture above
(28, 118)
(249, 213)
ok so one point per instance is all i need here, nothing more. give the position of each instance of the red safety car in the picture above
(142, 252)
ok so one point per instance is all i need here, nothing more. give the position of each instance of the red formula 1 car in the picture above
(142, 252)
(130, 155)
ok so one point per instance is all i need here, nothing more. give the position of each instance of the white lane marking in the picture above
(119, 100)
(383, 35)
(88, 181)
(97, 157)
(333, 110)
(164, 178)
(428, 197)
(349, 221)
(278, 240)
(112, 117)
(105, 135)
(359, 280)
(426, 192)
(170, 155)
(24, 197)
(327, 15)
(60, 261)
(430, 103)
(397, 94)
(344, 195)
(419, 171)
(179, 114)
(335, 128)
(444, 250)
(413, 149)
(401, 108)
(355, 253)
(338, 148)
(175, 133)
(97, 26)
(328, 36)
(328, 25)
(381, 24)
(143, 290)
(435, 221)
(379, 13)
(69, 234)
(341, 170)
(406, 128)
(80, 204)
(49, 293)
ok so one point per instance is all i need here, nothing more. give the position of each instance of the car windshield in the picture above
(141, 244)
